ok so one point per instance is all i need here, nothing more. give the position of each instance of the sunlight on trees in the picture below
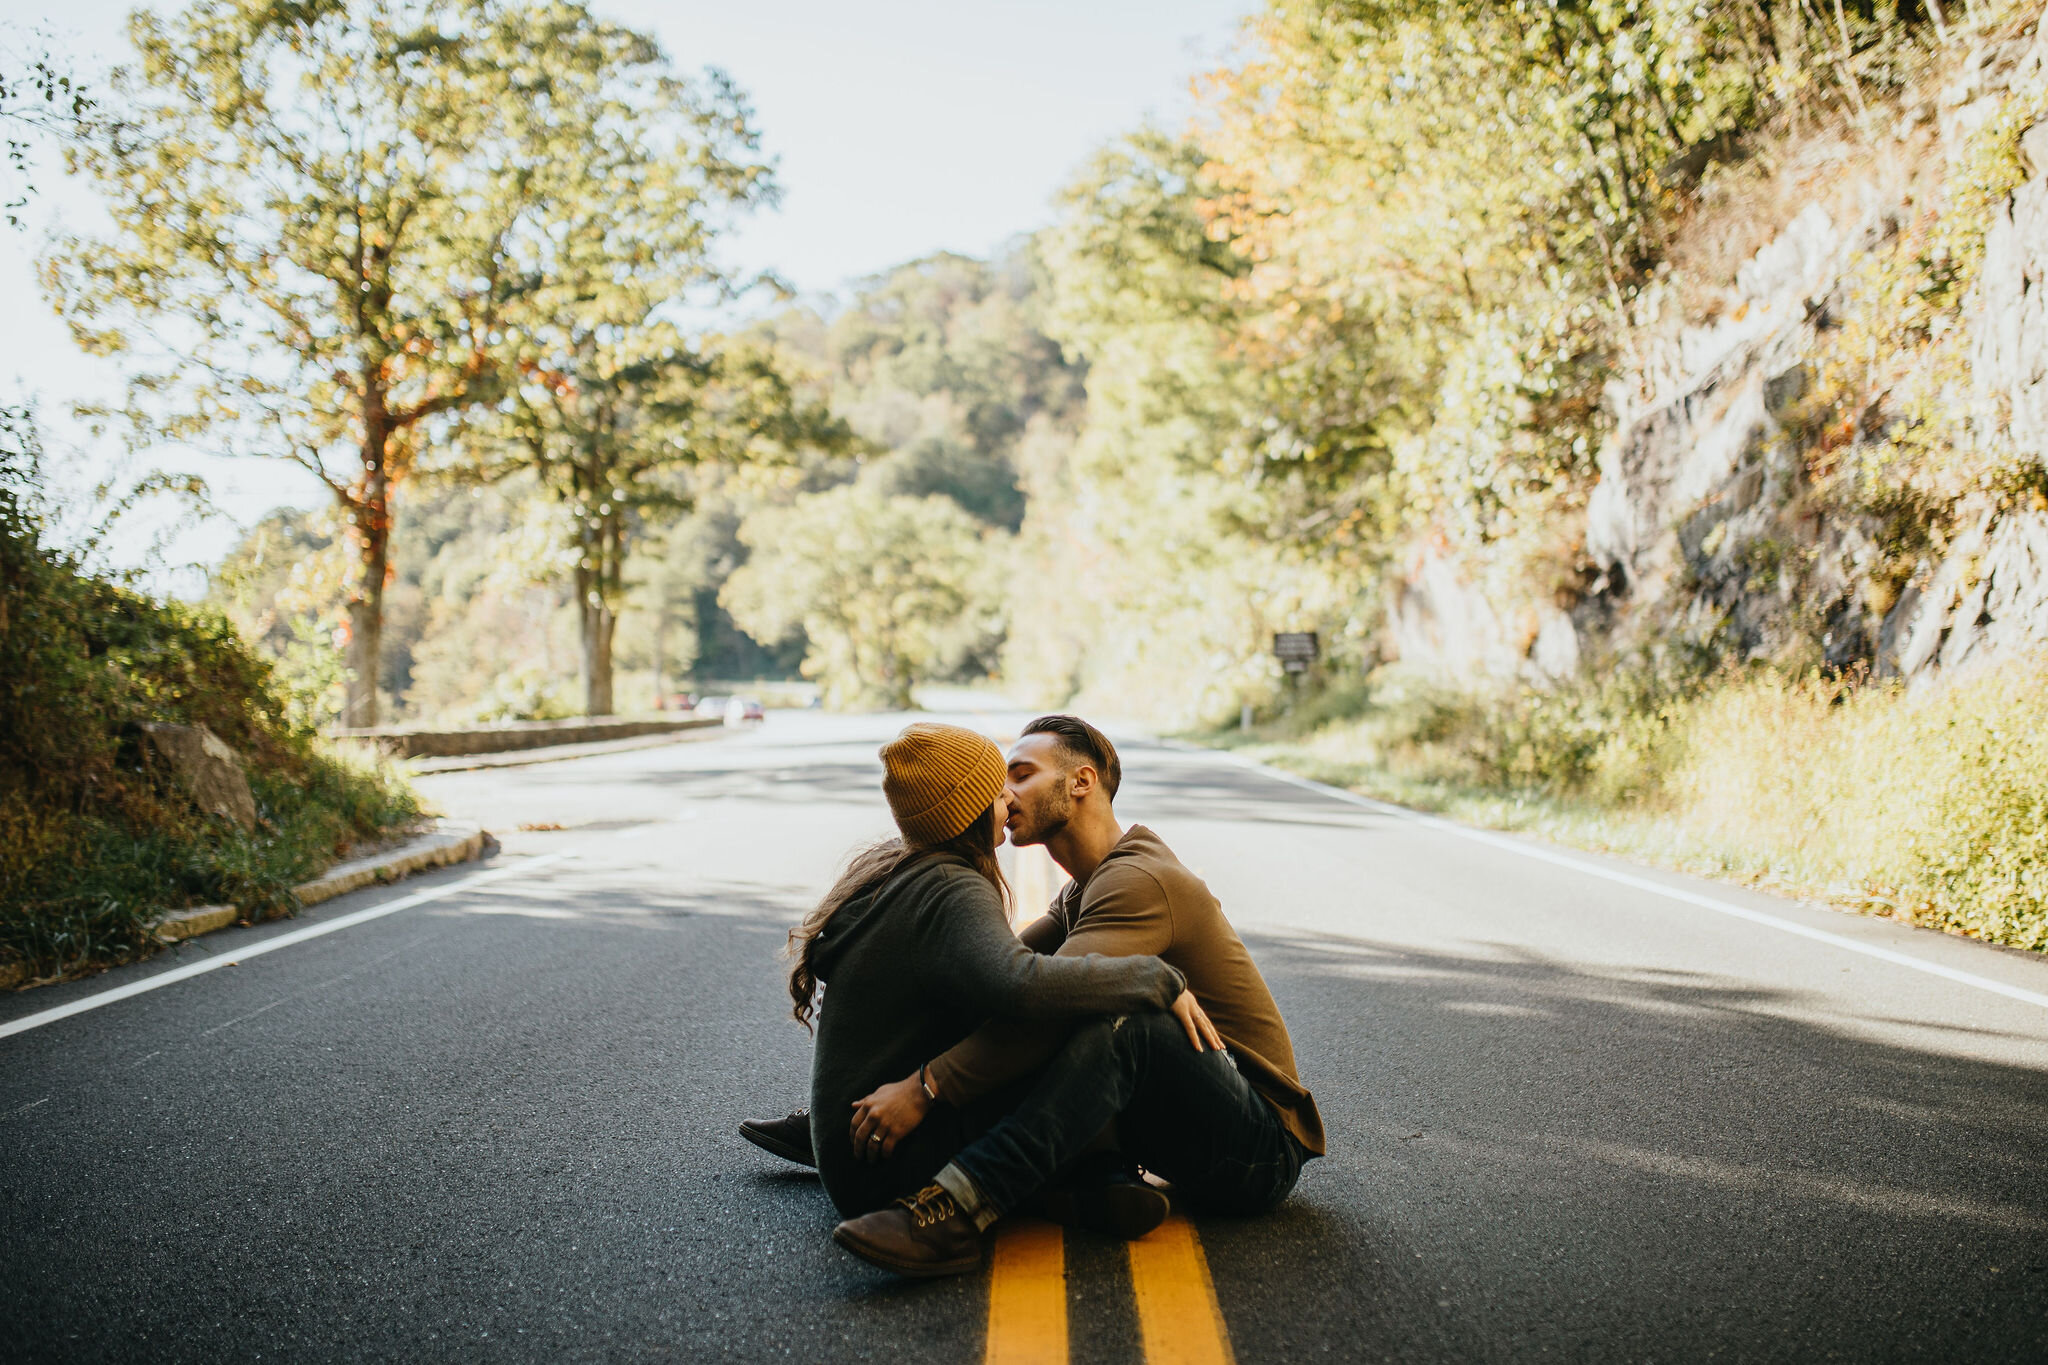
(887, 590)
(602, 395)
(1358, 349)
(327, 221)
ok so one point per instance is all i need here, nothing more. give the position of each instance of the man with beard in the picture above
(1230, 1127)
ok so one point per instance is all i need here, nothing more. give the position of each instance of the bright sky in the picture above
(901, 128)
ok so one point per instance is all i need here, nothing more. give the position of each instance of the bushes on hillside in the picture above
(1929, 806)
(96, 844)
(1933, 807)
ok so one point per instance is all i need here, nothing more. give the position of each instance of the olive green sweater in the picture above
(1141, 899)
(913, 967)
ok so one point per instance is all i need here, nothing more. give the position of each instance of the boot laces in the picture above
(932, 1204)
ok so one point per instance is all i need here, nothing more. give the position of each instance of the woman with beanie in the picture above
(914, 948)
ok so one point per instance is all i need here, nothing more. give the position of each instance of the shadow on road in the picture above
(1211, 792)
(809, 784)
(524, 1141)
(1529, 1158)
(1532, 1158)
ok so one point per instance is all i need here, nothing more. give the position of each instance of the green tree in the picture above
(39, 101)
(312, 208)
(607, 400)
(628, 408)
(1447, 213)
(889, 591)
(941, 364)
(664, 605)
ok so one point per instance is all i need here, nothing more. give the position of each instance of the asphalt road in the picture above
(1571, 1118)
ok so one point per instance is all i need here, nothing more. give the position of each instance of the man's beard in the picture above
(1046, 819)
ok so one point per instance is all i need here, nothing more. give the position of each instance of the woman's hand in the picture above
(1201, 1032)
(888, 1116)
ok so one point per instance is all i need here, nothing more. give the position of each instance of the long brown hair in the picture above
(866, 869)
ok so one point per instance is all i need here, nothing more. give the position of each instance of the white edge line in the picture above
(271, 945)
(1677, 893)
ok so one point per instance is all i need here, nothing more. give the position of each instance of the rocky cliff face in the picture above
(1706, 519)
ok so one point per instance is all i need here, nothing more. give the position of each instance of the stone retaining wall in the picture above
(417, 741)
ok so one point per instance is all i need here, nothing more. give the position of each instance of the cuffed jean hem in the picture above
(967, 1195)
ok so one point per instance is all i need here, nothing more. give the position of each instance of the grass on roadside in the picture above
(1929, 807)
(96, 841)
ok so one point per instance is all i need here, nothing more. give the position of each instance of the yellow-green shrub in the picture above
(1934, 805)
(1931, 805)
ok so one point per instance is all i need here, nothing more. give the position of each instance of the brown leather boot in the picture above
(789, 1138)
(925, 1235)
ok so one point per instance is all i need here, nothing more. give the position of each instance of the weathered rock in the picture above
(1555, 654)
(1697, 450)
(2016, 569)
(2034, 149)
(2009, 323)
(1988, 597)
(1800, 260)
(1704, 521)
(206, 768)
(1444, 625)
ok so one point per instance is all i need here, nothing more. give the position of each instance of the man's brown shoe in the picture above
(925, 1235)
(789, 1138)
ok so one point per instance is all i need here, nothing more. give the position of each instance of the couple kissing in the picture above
(963, 1071)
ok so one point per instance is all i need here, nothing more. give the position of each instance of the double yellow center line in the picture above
(1178, 1317)
(1179, 1320)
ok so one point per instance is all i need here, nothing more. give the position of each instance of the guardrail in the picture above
(418, 741)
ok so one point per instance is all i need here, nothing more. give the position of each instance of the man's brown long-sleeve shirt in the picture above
(1140, 900)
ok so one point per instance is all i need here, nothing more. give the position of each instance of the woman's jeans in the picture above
(1182, 1114)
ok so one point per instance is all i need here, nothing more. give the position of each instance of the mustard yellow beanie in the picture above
(938, 778)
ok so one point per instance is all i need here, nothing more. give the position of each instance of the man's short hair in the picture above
(1085, 743)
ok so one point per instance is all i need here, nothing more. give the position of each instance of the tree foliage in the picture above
(1384, 297)
(1381, 299)
(887, 590)
(942, 365)
(604, 394)
(40, 100)
(627, 406)
(326, 216)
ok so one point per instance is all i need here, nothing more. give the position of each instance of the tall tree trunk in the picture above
(594, 609)
(660, 640)
(365, 648)
(600, 569)
(372, 532)
(599, 621)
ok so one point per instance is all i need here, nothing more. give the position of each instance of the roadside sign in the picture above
(1296, 649)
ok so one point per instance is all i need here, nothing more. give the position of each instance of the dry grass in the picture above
(1931, 807)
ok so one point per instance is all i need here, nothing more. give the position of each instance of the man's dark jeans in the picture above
(1185, 1115)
